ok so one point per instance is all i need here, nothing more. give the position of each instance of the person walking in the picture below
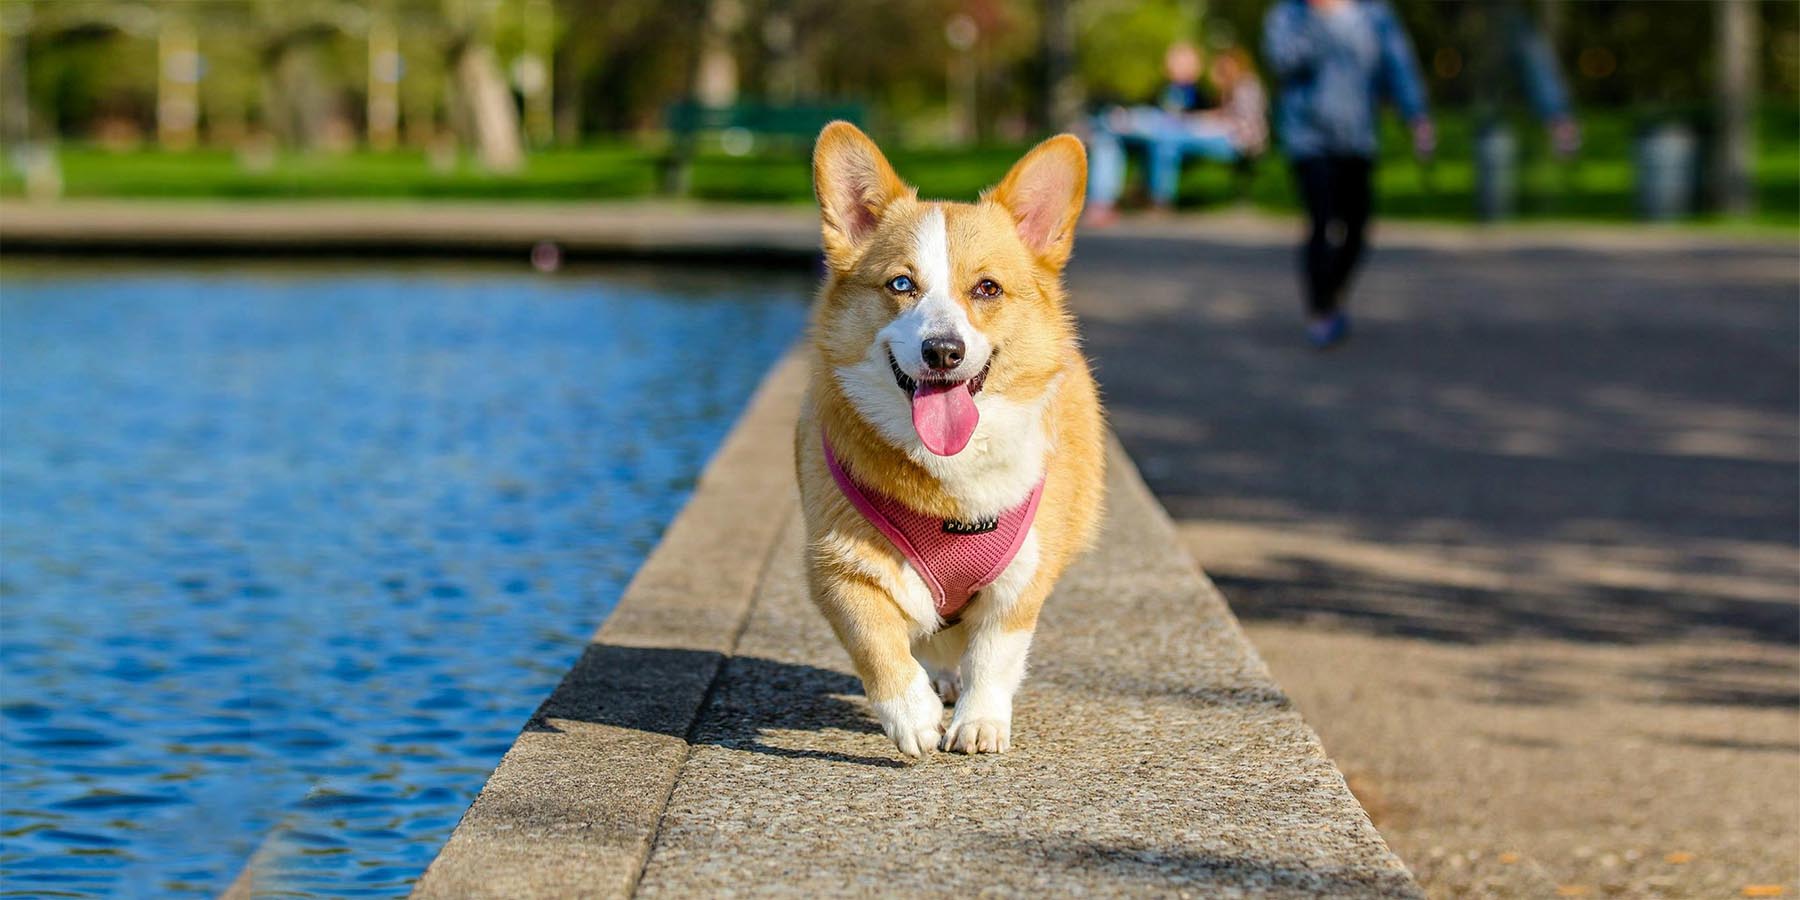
(1335, 60)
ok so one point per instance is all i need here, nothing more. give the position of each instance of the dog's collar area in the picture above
(979, 526)
(955, 559)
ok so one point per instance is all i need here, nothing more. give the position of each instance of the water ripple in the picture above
(289, 555)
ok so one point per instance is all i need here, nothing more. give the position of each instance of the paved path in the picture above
(1524, 551)
(713, 739)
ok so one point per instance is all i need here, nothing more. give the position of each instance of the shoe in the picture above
(1328, 331)
(1101, 216)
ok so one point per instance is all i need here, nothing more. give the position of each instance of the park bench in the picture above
(740, 126)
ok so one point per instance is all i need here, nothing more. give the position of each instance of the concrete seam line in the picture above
(712, 688)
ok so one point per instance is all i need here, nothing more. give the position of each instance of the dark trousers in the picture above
(1337, 195)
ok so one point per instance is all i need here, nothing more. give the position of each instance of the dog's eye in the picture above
(987, 289)
(900, 284)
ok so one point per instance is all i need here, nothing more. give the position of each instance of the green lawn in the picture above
(1596, 187)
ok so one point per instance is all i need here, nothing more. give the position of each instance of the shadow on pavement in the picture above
(643, 689)
(1146, 866)
(1579, 445)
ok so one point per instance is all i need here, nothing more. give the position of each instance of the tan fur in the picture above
(1019, 235)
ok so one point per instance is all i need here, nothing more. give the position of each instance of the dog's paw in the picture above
(916, 742)
(947, 685)
(978, 736)
(911, 720)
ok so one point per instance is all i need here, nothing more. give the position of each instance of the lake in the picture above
(289, 554)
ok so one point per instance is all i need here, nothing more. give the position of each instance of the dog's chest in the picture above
(916, 600)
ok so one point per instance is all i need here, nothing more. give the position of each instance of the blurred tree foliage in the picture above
(1122, 44)
(91, 66)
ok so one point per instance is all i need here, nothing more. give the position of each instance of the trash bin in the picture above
(1496, 172)
(1668, 171)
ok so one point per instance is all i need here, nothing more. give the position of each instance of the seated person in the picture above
(1181, 127)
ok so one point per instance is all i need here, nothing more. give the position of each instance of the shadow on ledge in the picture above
(653, 689)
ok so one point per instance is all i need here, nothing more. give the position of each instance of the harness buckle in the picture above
(979, 526)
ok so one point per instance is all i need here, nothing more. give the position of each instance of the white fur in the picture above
(993, 667)
(911, 720)
(940, 653)
(907, 588)
(915, 600)
(995, 472)
(999, 597)
(993, 663)
(1005, 457)
(937, 314)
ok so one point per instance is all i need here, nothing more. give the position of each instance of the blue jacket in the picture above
(1535, 60)
(1333, 70)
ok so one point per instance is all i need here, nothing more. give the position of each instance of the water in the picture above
(290, 555)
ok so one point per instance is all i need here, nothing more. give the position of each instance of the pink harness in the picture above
(956, 559)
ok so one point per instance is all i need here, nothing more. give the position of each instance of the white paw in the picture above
(947, 685)
(911, 720)
(986, 735)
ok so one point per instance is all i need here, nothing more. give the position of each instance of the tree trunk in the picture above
(295, 106)
(1060, 98)
(566, 72)
(1735, 26)
(383, 109)
(177, 84)
(716, 80)
(1550, 18)
(492, 118)
(538, 78)
(15, 100)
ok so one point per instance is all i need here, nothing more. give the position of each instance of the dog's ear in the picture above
(855, 186)
(1044, 192)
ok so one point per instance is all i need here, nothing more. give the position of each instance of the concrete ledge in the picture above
(713, 740)
(663, 231)
(739, 234)
(573, 806)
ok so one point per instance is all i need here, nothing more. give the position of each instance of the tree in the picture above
(1735, 93)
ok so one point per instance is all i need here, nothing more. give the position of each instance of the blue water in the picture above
(290, 555)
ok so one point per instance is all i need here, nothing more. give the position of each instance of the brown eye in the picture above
(987, 289)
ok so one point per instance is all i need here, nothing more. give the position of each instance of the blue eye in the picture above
(900, 284)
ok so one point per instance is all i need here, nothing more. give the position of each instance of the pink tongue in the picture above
(944, 415)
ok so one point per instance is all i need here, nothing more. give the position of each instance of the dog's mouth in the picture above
(910, 385)
(943, 409)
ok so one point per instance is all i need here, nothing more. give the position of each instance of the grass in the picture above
(1596, 187)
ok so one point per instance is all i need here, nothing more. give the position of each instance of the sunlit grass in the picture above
(1598, 185)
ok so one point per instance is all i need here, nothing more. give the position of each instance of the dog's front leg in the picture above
(1000, 626)
(871, 627)
(941, 653)
(992, 668)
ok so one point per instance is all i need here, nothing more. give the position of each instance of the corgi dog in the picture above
(950, 449)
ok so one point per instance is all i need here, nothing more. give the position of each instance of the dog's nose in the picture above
(942, 353)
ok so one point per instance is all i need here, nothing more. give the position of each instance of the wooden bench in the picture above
(742, 125)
